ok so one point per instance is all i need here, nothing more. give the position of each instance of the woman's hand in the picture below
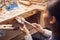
(38, 27)
(24, 29)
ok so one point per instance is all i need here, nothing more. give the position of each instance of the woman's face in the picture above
(46, 18)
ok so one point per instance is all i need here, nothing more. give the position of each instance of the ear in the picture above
(52, 20)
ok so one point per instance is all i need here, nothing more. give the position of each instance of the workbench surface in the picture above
(21, 10)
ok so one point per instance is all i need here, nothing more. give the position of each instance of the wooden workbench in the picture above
(22, 10)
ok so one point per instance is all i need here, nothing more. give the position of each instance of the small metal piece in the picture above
(22, 20)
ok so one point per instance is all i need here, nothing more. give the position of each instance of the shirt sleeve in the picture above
(28, 37)
(47, 33)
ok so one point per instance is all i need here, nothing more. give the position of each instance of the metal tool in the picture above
(22, 20)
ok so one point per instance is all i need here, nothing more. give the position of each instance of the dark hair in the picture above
(53, 9)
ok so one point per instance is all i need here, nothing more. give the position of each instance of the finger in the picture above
(22, 26)
(38, 25)
(34, 26)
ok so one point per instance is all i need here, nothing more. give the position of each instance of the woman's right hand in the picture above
(38, 27)
(24, 29)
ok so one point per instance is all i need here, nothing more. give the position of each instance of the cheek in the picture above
(46, 21)
(47, 24)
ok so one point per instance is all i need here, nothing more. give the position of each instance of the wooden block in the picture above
(27, 3)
